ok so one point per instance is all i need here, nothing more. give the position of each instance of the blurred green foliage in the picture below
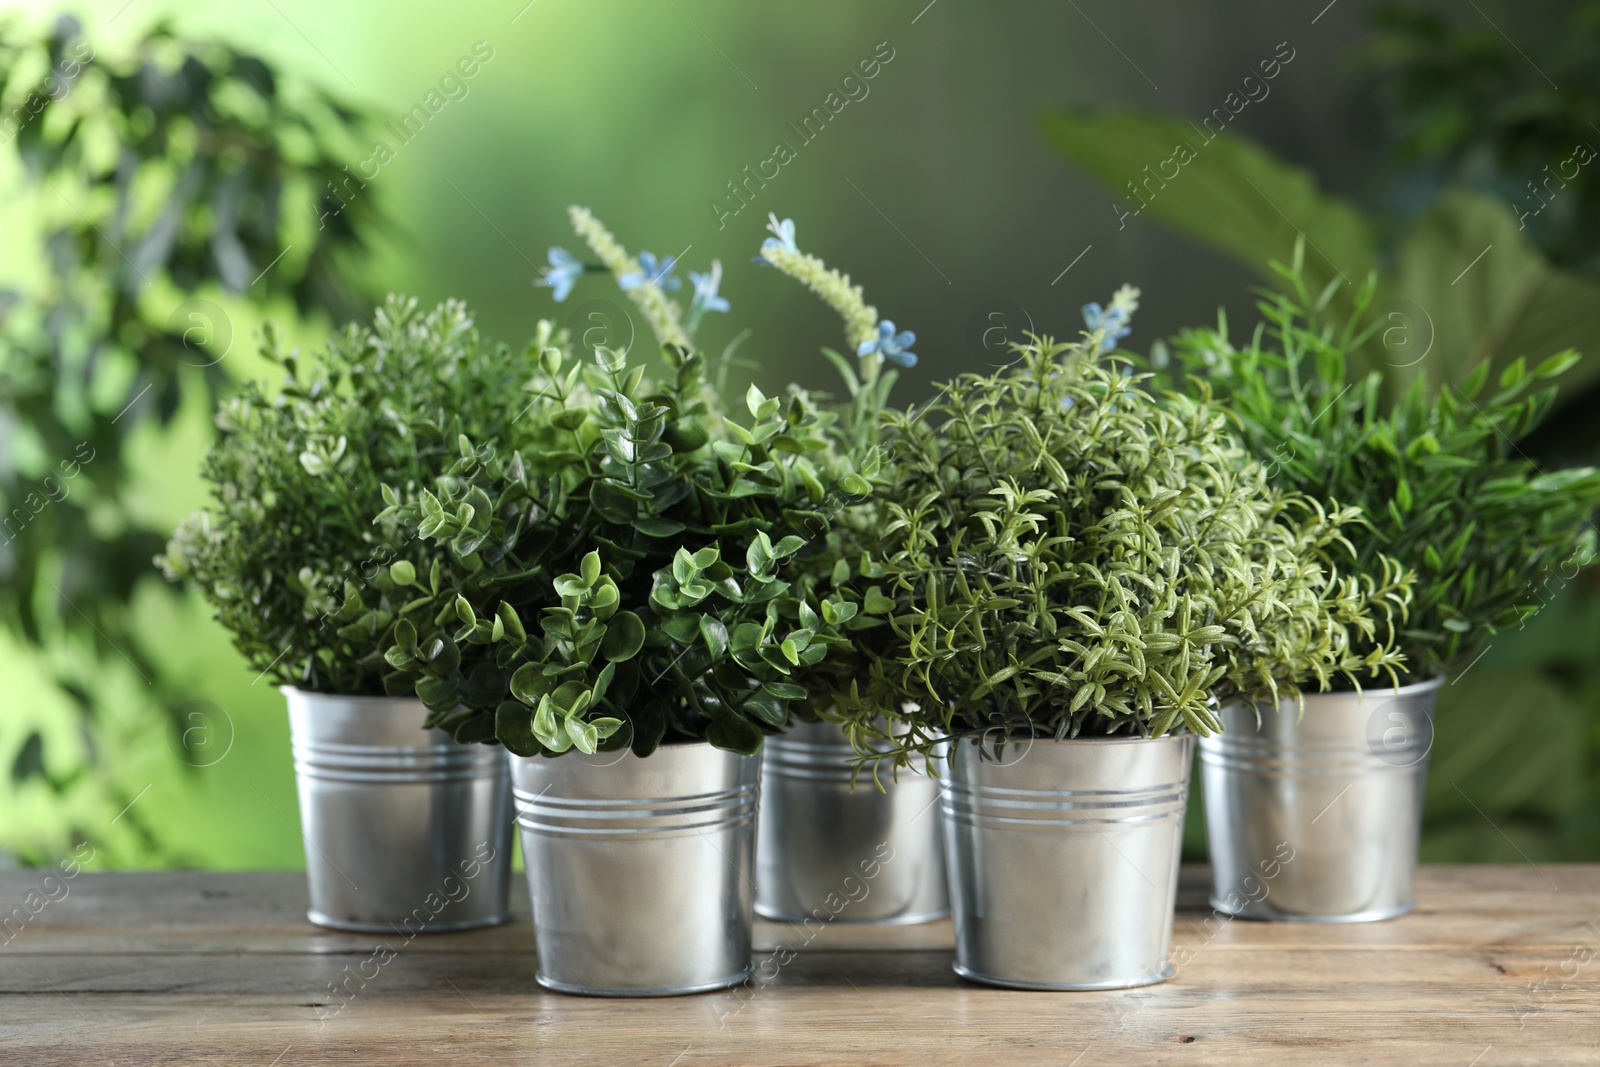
(1466, 107)
(1463, 280)
(163, 172)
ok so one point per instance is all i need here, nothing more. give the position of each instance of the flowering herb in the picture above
(831, 571)
(782, 239)
(636, 593)
(706, 297)
(645, 279)
(651, 273)
(895, 347)
(1110, 325)
(563, 273)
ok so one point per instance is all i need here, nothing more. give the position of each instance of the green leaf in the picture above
(405, 636)
(715, 635)
(438, 691)
(584, 736)
(443, 656)
(511, 622)
(604, 727)
(548, 729)
(591, 569)
(570, 585)
(403, 572)
(735, 735)
(1514, 373)
(683, 567)
(513, 728)
(1509, 303)
(624, 638)
(768, 708)
(659, 527)
(529, 685)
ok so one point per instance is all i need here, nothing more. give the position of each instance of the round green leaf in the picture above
(624, 637)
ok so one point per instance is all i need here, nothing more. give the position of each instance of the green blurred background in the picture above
(937, 190)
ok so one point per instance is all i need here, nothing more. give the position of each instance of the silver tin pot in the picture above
(406, 830)
(1330, 802)
(640, 870)
(828, 851)
(1064, 860)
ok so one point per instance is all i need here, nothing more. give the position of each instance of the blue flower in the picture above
(658, 275)
(1113, 322)
(895, 347)
(783, 235)
(705, 293)
(562, 274)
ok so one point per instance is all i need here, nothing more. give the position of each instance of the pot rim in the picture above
(364, 698)
(1167, 737)
(1386, 691)
(668, 747)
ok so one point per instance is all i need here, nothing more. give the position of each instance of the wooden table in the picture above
(1497, 966)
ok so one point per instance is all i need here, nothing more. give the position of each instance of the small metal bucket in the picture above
(1330, 800)
(828, 851)
(406, 830)
(640, 870)
(1064, 860)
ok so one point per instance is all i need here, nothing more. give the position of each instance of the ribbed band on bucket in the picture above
(635, 817)
(396, 763)
(1025, 809)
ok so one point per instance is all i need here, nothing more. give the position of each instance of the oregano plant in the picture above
(634, 595)
(642, 590)
(1062, 554)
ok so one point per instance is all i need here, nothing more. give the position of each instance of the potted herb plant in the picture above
(402, 825)
(623, 626)
(1447, 492)
(1071, 575)
(828, 850)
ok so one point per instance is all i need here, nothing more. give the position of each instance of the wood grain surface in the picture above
(1498, 965)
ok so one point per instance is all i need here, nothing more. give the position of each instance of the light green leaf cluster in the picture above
(1059, 553)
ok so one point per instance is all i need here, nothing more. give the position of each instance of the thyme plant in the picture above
(1439, 476)
(1062, 555)
(288, 554)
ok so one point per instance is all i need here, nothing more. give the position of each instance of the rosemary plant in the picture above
(1439, 476)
